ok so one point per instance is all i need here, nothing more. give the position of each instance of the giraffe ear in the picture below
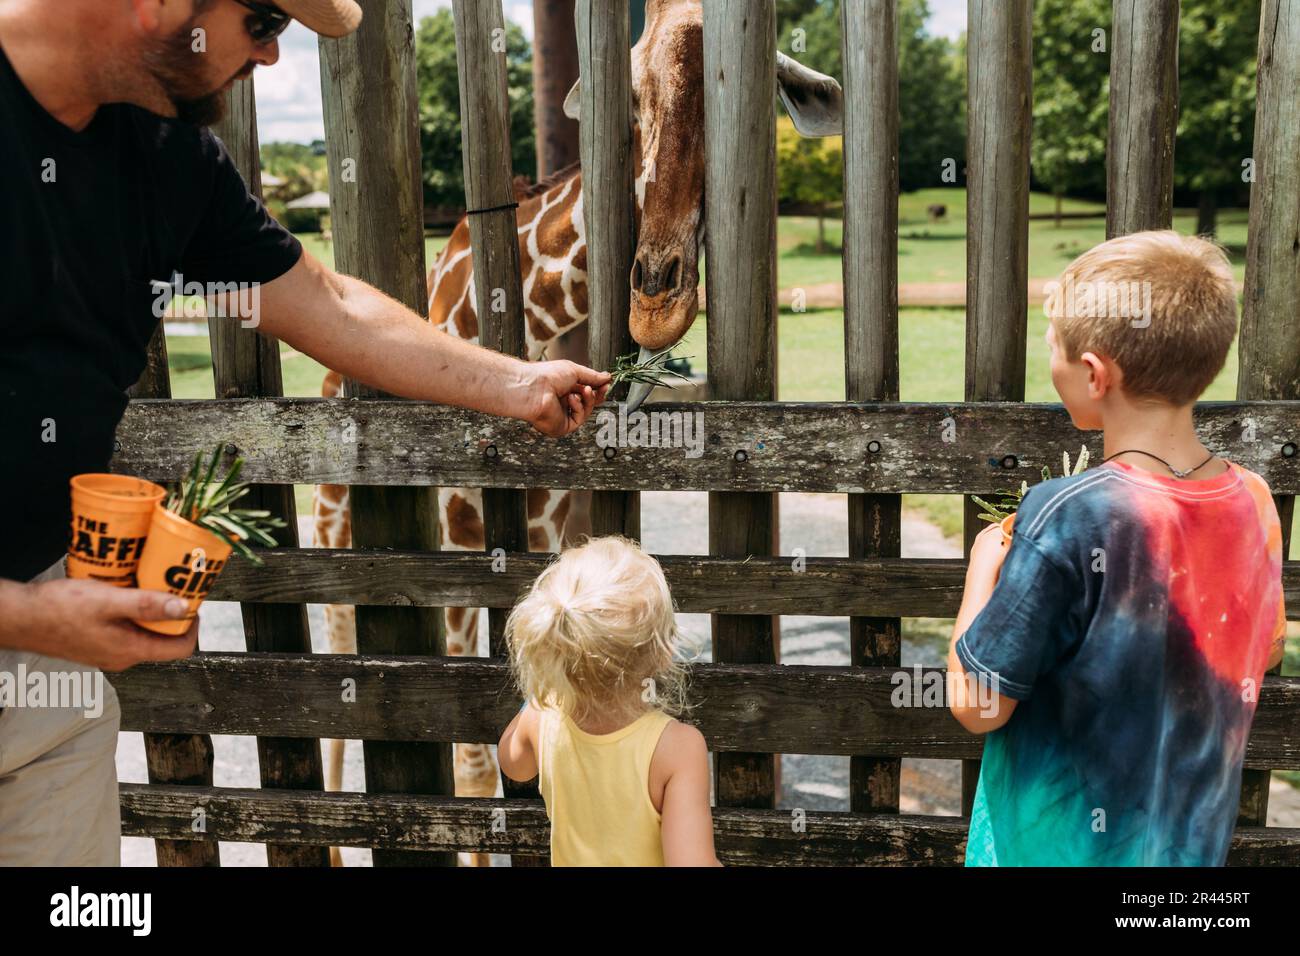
(814, 100)
(573, 102)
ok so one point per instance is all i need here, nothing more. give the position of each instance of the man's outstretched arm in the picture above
(365, 335)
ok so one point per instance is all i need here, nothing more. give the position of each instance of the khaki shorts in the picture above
(58, 771)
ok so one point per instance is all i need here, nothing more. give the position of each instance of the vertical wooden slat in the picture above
(605, 64)
(870, 47)
(497, 285)
(498, 288)
(740, 200)
(174, 758)
(997, 221)
(155, 380)
(247, 365)
(376, 202)
(1143, 116)
(1269, 345)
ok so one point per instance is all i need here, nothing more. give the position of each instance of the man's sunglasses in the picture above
(266, 22)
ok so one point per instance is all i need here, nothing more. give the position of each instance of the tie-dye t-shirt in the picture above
(1132, 623)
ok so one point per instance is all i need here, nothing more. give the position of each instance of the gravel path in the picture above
(673, 523)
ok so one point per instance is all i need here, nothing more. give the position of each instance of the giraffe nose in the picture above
(651, 278)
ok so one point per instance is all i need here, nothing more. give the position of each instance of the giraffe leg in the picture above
(331, 518)
(461, 525)
(475, 767)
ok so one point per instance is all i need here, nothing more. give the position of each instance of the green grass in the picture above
(936, 252)
(324, 251)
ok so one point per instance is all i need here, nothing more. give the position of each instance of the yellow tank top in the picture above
(596, 788)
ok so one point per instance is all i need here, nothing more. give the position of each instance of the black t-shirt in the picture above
(89, 221)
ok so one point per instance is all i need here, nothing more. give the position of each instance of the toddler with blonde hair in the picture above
(592, 650)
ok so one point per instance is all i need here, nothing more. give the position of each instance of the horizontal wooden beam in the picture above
(743, 837)
(734, 446)
(821, 586)
(825, 587)
(787, 709)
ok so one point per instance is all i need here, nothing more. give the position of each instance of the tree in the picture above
(810, 172)
(1217, 42)
(1071, 95)
(555, 68)
(439, 90)
(303, 171)
(932, 91)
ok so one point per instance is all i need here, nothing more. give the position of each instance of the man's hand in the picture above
(91, 623)
(558, 397)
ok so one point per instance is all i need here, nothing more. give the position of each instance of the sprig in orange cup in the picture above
(193, 535)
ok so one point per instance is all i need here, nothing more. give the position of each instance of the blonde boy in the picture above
(1140, 603)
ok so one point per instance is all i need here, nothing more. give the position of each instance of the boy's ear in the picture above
(1100, 374)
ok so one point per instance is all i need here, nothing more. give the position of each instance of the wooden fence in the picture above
(871, 447)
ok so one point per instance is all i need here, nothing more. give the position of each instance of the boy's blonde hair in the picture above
(1186, 294)
(596, 632)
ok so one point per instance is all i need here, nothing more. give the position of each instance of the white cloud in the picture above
(288, 94)
(948, 17)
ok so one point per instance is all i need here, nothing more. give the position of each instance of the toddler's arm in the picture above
(687, 821)
(516, 751)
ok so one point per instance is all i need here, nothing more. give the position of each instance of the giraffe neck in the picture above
(552, 258)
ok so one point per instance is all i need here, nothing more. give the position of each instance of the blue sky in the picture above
(288, 94)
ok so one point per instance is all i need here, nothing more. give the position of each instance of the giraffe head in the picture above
(668, 109)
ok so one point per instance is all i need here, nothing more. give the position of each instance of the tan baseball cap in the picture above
(329, 18)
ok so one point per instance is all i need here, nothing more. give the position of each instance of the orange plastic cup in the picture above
(182, 559)
(111, 515)
(1006, 524)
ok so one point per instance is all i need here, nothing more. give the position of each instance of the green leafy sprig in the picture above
(1010, 499)
(203, 499)
(653, 371)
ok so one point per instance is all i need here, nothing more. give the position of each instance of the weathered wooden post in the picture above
(376, 202)
(1000, 76)
(246, 364)
(870, 49)
(1143, 116)
(489, 196)
(1269, 344)
(740, 206)
(605, 135)
(175, 758)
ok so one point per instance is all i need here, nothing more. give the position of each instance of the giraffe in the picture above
(668, 156)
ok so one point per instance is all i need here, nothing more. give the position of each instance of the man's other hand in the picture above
(91, 623)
